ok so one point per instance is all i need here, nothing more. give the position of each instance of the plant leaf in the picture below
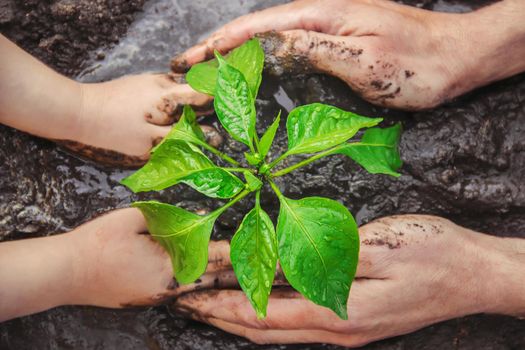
(252, 159)
(254, 257)
(269, 135)
(317, 127)
(183, 234)
(318, 249)
(253, 181)
(234, 103)
(177, 161)
(202, 77)
(247, 58)
(377, 151)
(185, 129)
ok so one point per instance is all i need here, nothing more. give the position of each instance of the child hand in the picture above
(120, 120)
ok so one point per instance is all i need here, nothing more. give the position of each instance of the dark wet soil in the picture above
(64, 33)
(464, 161)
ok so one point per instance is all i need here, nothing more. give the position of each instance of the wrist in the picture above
(490, 45)
(503, 275)
(80, 287)
(87, 107)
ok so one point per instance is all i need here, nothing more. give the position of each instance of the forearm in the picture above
(493, 41)
(34, 98)
(36, 274)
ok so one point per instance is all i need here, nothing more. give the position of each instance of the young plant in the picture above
(316, 239)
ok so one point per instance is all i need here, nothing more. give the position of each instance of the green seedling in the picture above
(316, 239)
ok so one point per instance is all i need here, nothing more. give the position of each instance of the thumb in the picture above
(301, 51)
(233, 34)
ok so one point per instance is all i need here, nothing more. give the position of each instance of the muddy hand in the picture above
(414, 271)
(120, 265)
(392, 55)
(122, 119)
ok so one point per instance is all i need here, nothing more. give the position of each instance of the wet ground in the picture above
(464, 161)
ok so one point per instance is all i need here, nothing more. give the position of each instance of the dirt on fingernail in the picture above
(179, 65)
(213, 137)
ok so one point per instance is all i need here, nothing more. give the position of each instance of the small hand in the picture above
(392, 55)
(122, 119)
(120, 265)
(413, 271)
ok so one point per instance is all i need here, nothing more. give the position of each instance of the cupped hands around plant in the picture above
(315, 240)
(414, 270)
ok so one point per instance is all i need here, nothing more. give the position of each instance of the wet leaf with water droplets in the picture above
(317, 127)
(254, 257)
(177, 161)
(186, 129)
(234, 103)
(183, 234)
(318, 249)
(377, 151)
(247, 58)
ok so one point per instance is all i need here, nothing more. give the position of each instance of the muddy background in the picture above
(464, 161)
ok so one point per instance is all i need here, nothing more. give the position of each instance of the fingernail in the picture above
(179, 64)
(213, 137)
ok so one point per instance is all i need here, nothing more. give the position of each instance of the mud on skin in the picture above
(463, 161)
(285, 56)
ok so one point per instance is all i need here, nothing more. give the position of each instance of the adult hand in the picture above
(413, 271)
(392, 55)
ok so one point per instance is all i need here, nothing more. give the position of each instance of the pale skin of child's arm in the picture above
(126, 116)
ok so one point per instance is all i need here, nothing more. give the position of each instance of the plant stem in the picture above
(220, 210)
(305, 162)
(258, 198)
(276, 161)
(275, 189)
(239, 170)
(256, 139)
(220, 154)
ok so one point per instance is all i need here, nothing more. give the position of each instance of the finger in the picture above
(274, 336)
(165, 113)
(212, 136)
(225, 279)
(170, 106)
(184, 94)
(301, 51)
(219, 273)
(238, 31)
(287, 309)
(218, 256)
